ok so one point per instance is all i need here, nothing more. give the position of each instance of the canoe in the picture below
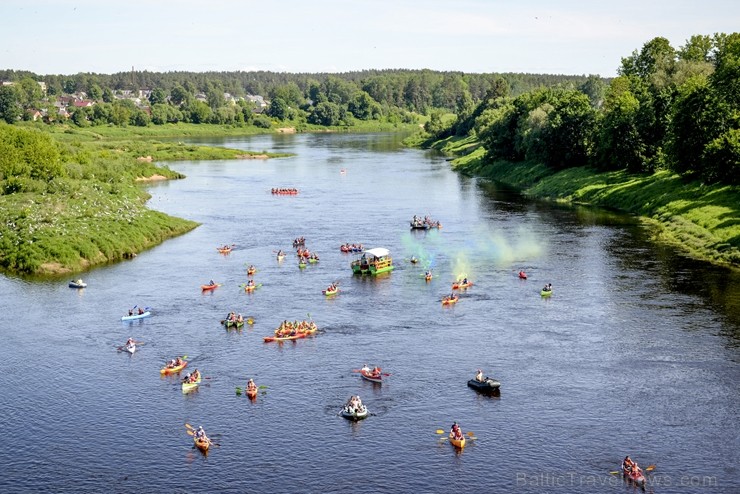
(209, 287)
(487, 386)
(545, 293)
(330, 292)
(75, 284)
(458, 443)
(188, 387)
(202, 443)
(173, 370)
(456, 286)
(450, 301)
(252, 393)
(136, 316)
(355, 415)
(371, 377)
(296, 336)
(636, 477)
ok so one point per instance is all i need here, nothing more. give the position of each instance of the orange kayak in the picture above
(173, 370)
(456, 286)
(205, 288)
(450, 301)
(252, 393)
(202, 443)
(458, 443)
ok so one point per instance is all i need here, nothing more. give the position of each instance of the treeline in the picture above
(676, 109)
(320, 99)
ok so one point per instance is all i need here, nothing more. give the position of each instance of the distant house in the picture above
(82, 103)
(201, 97)
(34, 114)
(258, 100)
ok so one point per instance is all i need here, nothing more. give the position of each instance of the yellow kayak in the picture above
(458, 443)
(188, 387)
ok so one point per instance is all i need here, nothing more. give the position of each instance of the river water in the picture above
(636, 352)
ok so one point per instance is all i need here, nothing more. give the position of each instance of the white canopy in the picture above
(378, 252)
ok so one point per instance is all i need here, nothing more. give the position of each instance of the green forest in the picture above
(662, 140)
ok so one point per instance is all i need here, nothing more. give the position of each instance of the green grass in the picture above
(704, 220)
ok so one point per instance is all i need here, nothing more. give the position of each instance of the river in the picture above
(636, 351)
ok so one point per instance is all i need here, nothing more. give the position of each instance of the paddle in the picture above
(649, 468)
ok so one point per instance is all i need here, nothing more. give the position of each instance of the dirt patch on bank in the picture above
(153, 178)
(252, 156)
(286, 130)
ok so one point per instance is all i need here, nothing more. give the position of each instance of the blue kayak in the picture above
(136, 316)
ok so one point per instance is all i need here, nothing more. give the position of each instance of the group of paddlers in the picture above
(354, 405)
(175, 362)
(234, 318)
(426, 222)
(351, 247)
(192, 377)
(304, 253)
(288, 328)
(297, 242)
(284, 190)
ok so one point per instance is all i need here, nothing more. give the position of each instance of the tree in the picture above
(594, 88)
(618, 140)
(197, 112)
(95, 92)
(108, 95)
(10, 109)
(325, 113)
(215, 95)
(279, 109)
(158, 96)
(29, 92)
(363, 107)
(179, 96)
(290, 93)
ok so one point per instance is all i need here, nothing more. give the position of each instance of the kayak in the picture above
(375, 378)
(312, 260)
(202, 443)
(456, 286)
(173, 370)
(251, 271)
(355, 414)
(249, 288)
(209, 287)
(280, 257)
(637, 477)
(233, 324)
(77, 284)
(301, 265)
(252, 393)
(296, 336)
(188, 387)
(428, 277)
(545, 293)
(226, 250)
(450, 301)
(130, 348)
(487, 386)
(522, 275)
(458, 443)
(330, 292)
(136, 316)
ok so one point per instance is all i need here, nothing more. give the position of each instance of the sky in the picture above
(473, 36)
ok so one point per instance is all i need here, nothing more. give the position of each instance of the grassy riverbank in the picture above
(70, 198)
(704, 220)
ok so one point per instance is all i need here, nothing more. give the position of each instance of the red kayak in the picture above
(376, 378)
(206, 288)
(522, 275)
